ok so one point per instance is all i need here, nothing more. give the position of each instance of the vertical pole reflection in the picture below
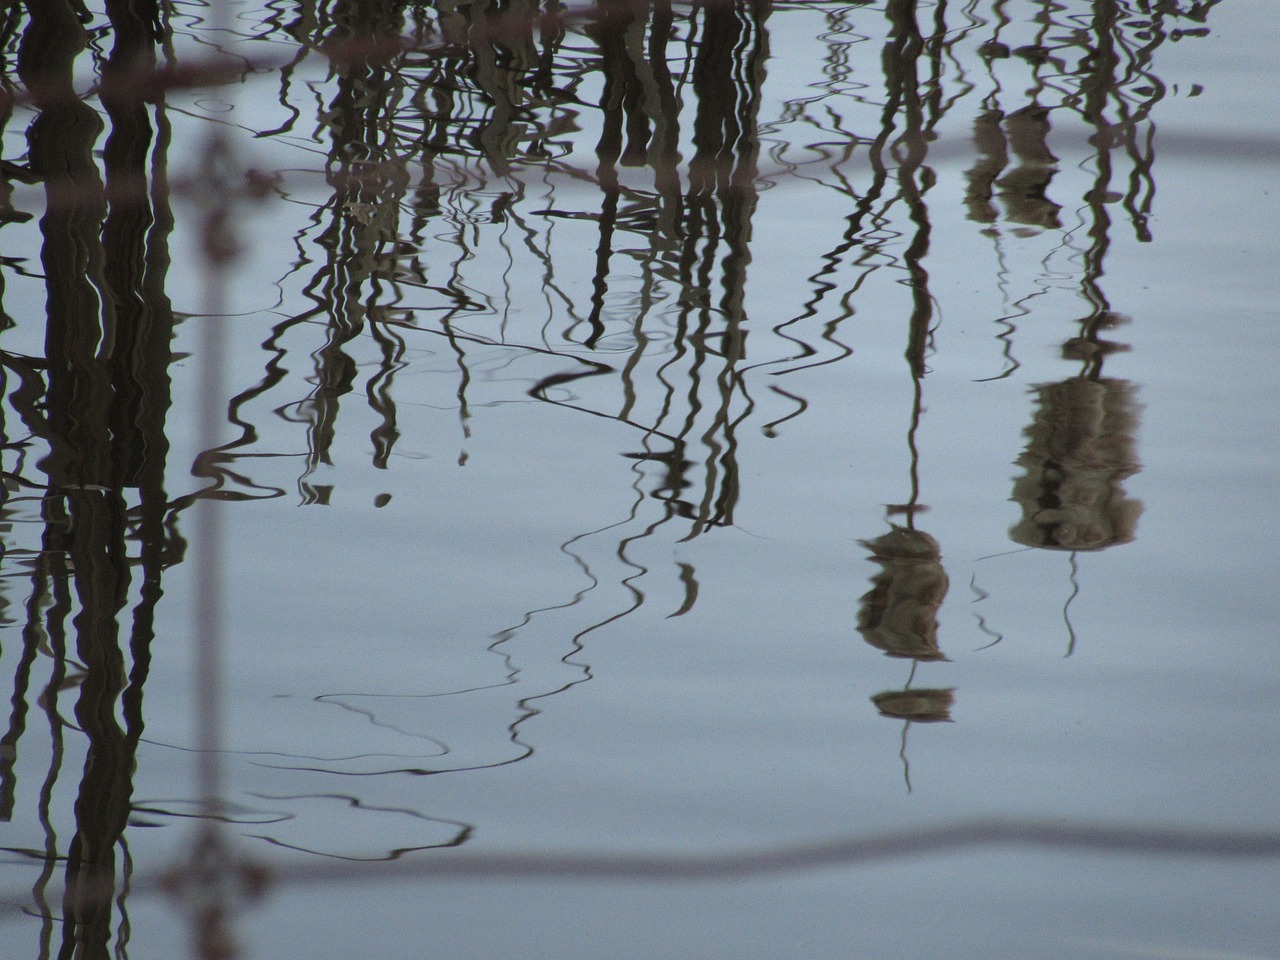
(702, 235)
(899, 614)
(1080, 444)
(210, 931)
(208, 880)
(371, 151)
(208, 556)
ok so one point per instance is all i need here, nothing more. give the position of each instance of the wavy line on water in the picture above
(858, 850)
(836, 852)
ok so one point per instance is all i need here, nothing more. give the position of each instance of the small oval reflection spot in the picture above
(382, 499)
(213, 105)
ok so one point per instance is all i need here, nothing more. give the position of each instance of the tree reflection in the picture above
(1081, 442)
(899, 615)
(98, 399)
(457, 220)
(693, 235)
(1079, 451)
(916, 705)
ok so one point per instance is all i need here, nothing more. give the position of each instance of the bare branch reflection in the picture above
(487, 220)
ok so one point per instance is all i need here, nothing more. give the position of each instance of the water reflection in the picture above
(1080, 448)
(455, 235)
(682, 346)
(1023, 189)
(899, 615)
(916, 705)
(1080, 445)
(98, 398)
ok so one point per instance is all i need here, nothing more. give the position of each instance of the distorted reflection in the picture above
(899, 615)
(1023, 189)
(919, 705)
(1080, 444)
(914, 705)
(690, 238)
(97, 400)
(1080, 449)
(496, 210)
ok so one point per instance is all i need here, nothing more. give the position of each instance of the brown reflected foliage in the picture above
(919, 705)
(1080, 450)
(899, 615)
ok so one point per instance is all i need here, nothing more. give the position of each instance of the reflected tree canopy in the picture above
(1080, 448)
(900, 613)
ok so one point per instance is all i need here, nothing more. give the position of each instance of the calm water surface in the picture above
(645, 429)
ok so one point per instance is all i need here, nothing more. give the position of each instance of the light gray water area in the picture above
(474, 469)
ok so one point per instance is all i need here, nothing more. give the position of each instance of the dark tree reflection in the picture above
(98, 398)
(1081, 442)
(522, 205)
(899, 615)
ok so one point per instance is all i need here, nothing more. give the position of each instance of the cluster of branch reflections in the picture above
(425, 123)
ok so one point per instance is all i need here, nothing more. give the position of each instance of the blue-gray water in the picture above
(641, 430)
